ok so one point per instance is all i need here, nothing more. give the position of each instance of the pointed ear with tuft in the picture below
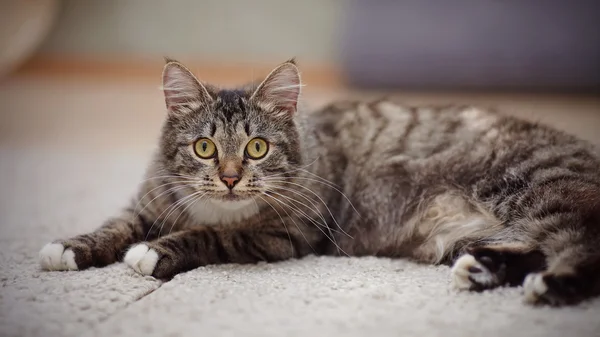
(280, 91)
(183, 92)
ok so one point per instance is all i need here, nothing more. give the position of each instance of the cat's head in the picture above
(226, 144)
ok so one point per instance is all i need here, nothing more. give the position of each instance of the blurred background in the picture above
(74, 70)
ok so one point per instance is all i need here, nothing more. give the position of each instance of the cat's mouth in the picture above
(234, 200)
(231, 196)
(236, 196)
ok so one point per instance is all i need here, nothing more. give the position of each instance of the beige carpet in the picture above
(71, 154)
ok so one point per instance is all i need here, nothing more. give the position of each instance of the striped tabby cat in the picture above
(242, 176)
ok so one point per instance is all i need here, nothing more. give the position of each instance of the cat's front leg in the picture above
(192, 248)
(99, 248)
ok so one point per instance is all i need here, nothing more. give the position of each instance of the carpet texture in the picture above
(72, 157)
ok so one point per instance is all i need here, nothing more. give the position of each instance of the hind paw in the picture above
(552, 289)
(470, 274)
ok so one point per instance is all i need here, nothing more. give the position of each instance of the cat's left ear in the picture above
(280, 91)
(183, 91)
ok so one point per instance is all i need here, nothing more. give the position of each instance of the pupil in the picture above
(204, 146)
(257, 146)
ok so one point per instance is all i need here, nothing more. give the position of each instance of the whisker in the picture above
(330, 236)
(170, 209)
(185, 209)
(284, 226)
(314, 208)
(319, 177)
(294, 170)
(293, 207)
(293, 221)
(169, 176)
(257, 210)
(326, 183)
(168, 191)
(329, 229)
(154, 189)
(171, 190)
(321, 199)
(177, 205)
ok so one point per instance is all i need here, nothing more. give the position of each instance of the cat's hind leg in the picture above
(490, 266)
(573, 272)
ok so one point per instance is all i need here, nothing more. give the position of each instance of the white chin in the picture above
(234, 203)
(220, 211)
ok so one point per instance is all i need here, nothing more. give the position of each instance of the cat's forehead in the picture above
(232, 112)
(231, 115)
(231, 105)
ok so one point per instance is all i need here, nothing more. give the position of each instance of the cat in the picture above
(244, 175)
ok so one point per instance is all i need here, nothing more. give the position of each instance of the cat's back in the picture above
(389, 128)
(444, 142)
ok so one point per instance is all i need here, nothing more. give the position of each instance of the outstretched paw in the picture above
(152, 260)
(468, 273)
(54, 256)
(142, 259)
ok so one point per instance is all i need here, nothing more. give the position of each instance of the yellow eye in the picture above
(205, 148)
(257, 148)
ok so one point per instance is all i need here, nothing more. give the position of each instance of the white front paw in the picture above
(468, 274)
(54, 256)
(142, 259)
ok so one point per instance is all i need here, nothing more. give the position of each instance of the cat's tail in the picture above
(572, 253)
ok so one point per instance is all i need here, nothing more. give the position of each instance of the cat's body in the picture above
(506, 201)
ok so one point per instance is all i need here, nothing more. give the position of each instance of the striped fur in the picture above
(506, 199)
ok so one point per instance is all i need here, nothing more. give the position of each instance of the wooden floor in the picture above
(100, 113)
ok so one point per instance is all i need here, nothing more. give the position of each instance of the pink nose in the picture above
(230, 181)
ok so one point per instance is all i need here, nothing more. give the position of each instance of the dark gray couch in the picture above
(472, 43)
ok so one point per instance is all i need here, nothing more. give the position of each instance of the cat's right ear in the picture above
(183, 91)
